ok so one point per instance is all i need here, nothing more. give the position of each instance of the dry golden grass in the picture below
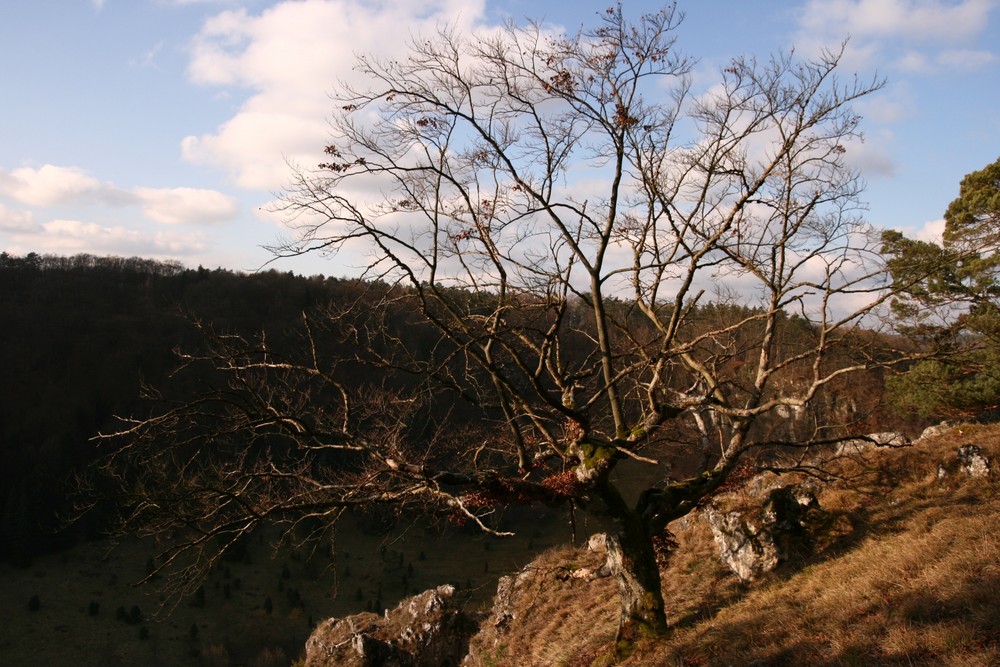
(908, 574)
(552, 604)
(917, 580)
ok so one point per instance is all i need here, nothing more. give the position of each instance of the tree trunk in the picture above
(633, 564)
(632, 561)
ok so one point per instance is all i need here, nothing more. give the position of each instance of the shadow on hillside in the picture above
(915, 580)
(909, 628)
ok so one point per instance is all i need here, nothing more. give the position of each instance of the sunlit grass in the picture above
(908, 574)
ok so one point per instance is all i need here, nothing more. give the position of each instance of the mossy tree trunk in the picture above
(632, 561)
(632, 555)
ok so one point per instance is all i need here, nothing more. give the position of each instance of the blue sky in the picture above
(162, 128)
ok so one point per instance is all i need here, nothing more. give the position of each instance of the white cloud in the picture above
(73, 236)
(72, 232)
(12, 220)
(872, 157)
(290, 57)
(148, 58)
(52, 185)
(948, 61)
(966, 59)
(905, 32)
(913, 61)
(916, 20)
(255, 147)
(186, 205)
(48, 185)
(889, 105)
(932, 231)
(202, 2)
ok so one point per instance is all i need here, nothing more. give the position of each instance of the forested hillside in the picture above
(82, 335)
(79, 336)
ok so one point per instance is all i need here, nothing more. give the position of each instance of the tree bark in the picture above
(632, 561)
(631, 555)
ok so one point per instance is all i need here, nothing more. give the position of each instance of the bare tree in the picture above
(612, 267)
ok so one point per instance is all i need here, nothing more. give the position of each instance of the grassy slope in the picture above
(236, 630)
(909, 574)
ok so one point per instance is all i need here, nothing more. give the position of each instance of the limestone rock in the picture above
(426, 630)
(887, 439)
(972, 461)
(969, 460)
(744, 545)
(936, 429)
(505, 603)
(752, 542)
(556, 575)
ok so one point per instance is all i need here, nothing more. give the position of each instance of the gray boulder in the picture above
(969, 460)
(936, 429)
(745, 545)
(872, 440)
(972, 461)
(426, 630)
(755, 542)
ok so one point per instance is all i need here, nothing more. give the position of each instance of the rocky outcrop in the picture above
(936, 430)
(871, 441)
(531, 606)
(426, 630)
(505, 608)
(754, 542)
(972, 461)
(969, 460)
(745, 545)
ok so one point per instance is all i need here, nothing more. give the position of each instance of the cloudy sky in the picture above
(161, 128)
